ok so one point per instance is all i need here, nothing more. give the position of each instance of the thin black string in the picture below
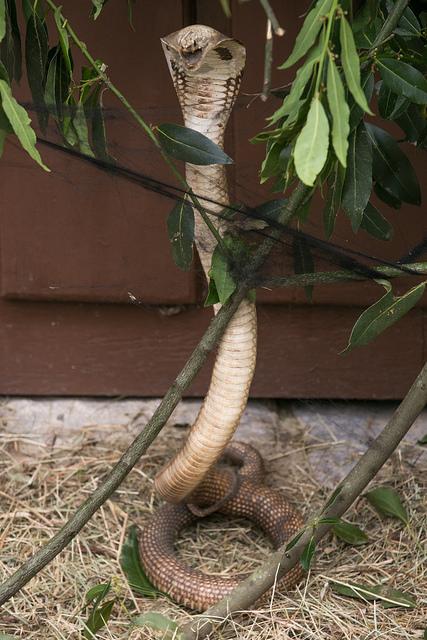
(334, 253)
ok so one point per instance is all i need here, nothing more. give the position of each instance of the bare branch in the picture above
(333, 277)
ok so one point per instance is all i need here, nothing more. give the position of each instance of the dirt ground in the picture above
(39, 491)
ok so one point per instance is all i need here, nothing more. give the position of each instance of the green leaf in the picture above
(191, 146)
(409, 24)
(20, 122)
(98, 5)
(391, 167)
(36, 50)
(271, 210)
(157, 622)
(365, 39)
(98, 618)
(57, 89)
(351, 65)
(403, 79)
(2, 19)
(387, 197)
(272, 164)
(99, 591)
(307, 554)
(350, 533)
(181, 234)
(225, 4)
(340, 112)
(386, 595)
(388, 503)
(332, 498)
(6, 636)
(63, 39)
(390, 105)
(356, 112)
(328, 521)
(382, 315)
(366, 13)
(81, 129)
(130, 562)
(303, 261)
(311, 148)
(10, 50)
(375, 224)
(423, 440)
(95, 116)
(291, 544)
(413, 123)
(212, 296)
(308, 33)
(221, 274)
(333, 200)
(358, 180)
(292, 102)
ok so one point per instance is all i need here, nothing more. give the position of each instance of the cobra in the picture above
(206, 69)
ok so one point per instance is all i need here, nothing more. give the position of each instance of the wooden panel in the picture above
(88, 349)
(78, 233)
(83, 236)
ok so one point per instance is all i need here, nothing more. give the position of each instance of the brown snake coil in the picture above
(206, 68)
(263, 506)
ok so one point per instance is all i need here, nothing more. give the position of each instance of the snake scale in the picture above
(206, 68)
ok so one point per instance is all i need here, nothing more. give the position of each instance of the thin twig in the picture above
(283, 560)
(272, 17)
(268, 62)
(331, 277)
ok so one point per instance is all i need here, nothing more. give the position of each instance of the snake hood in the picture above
(203, 51)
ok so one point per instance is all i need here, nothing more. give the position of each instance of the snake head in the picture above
(199, 50)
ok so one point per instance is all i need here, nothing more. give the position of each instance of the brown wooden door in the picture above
(79, 247)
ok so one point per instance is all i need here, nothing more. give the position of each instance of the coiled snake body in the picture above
(206, 69)
(263, 506)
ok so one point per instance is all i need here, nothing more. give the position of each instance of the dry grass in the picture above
(36, 498)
